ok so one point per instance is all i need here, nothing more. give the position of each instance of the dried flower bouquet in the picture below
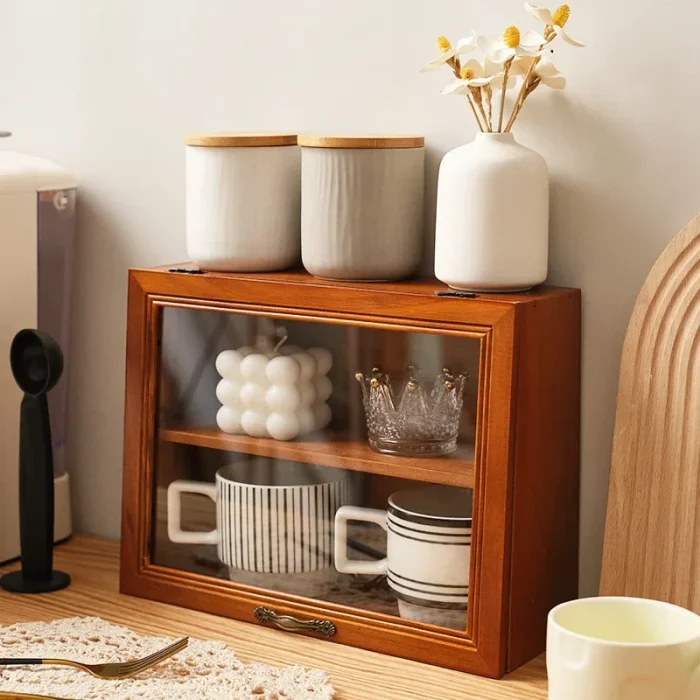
(514, 59)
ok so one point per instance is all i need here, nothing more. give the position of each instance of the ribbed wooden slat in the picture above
(652, 533)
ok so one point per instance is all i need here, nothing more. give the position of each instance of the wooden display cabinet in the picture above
(518, 454)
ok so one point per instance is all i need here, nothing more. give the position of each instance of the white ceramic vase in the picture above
(492, 227)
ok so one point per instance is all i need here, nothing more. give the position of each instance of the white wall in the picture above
(107, 88)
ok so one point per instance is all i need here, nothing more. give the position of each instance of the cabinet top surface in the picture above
(298, 280)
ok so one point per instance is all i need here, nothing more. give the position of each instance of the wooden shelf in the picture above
(336, 450)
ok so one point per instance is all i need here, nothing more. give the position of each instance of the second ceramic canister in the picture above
(243, 195)
(362, 206)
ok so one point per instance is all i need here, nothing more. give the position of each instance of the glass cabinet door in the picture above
(319, 460)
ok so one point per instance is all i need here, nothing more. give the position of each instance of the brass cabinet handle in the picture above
(291, 624)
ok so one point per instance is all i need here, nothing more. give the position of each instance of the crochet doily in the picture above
(206, 669)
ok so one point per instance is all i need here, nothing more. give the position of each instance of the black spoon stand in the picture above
(36, 502)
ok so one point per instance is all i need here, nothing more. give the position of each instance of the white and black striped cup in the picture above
(269, 519)
(429, 534)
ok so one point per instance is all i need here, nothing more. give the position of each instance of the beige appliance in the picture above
(37, 230)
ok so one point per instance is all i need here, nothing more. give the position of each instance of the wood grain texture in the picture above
(240, 140)
(544, 560)
(382, 141)
(285, 294)
(357, 674)
(335, 450)
(652, 532)
(421, 286)
(507, 463)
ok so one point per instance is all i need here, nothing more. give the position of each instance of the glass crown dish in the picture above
(412, 417)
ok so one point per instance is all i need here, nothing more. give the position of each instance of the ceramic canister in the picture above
(429, 532)
(273, 518)
(243, 195)
(362, 206)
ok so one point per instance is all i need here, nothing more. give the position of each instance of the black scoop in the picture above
(37, 364)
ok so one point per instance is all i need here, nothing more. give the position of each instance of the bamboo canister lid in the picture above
(230, 140)
(384, 141)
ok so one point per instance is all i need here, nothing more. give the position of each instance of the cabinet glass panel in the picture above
(319, 460)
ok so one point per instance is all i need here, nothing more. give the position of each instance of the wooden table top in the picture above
(355, 673)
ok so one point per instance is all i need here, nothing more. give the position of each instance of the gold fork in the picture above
(4, 695)
(112, 672)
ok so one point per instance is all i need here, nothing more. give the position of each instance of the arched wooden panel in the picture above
(652, 532)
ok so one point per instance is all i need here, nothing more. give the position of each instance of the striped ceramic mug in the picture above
(429, 534)
(274, 518)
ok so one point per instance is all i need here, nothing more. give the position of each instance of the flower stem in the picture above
(530, 89)
(455, 64)
(525, 89)
(489, 94)
(476, 116)
(522, 94)
(476, 93)
(506, 70)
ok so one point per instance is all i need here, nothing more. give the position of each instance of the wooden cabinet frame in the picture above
(525, 468)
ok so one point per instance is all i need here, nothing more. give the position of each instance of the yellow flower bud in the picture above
(444, 44)
(560, 16)
(466, 73)
(511, 37)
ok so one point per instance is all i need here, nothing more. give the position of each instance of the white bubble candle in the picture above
(282, 396)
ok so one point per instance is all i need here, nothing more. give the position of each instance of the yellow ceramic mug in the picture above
(623, 649)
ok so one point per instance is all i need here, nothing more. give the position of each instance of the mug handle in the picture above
(175, 531)
(342, 563)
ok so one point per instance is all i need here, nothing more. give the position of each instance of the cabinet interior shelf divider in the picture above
(336, 449)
